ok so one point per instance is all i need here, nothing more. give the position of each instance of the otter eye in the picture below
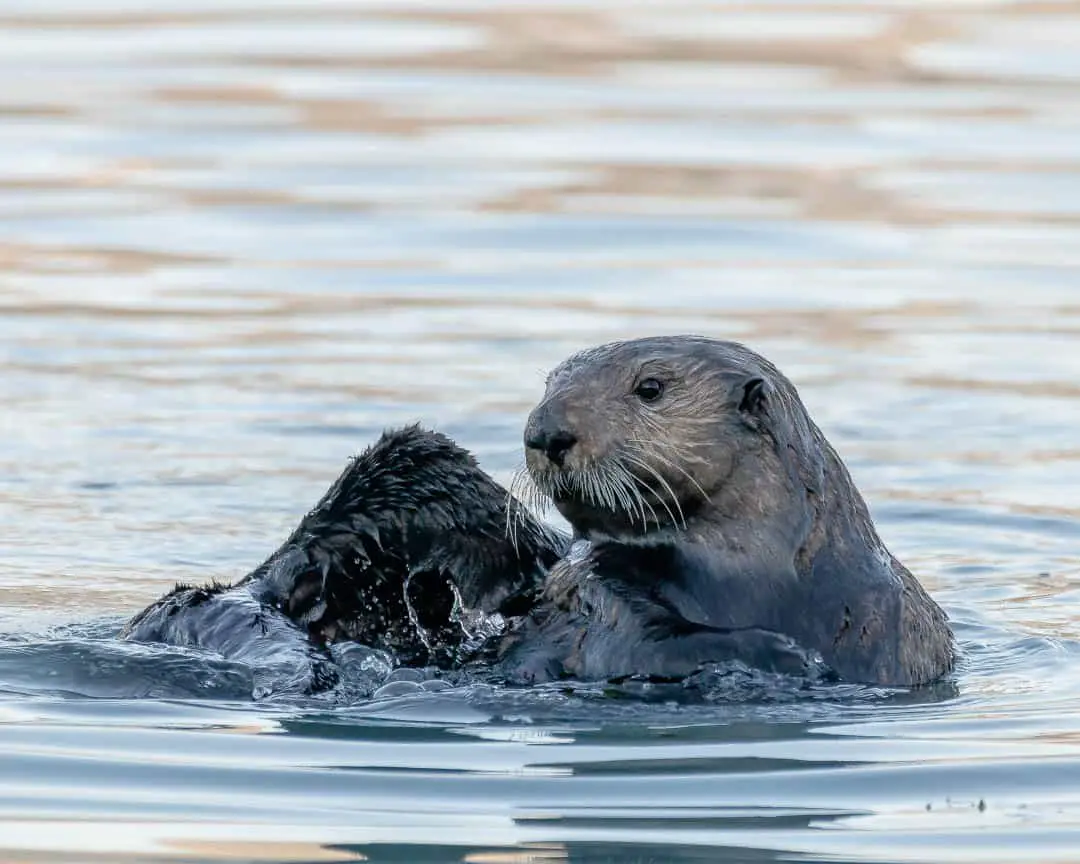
(649, 390)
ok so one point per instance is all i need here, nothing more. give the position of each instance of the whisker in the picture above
(519, 502)
(674, 499)
(630, 484)
(616, 477)
(675, 466)
(619, 490)
(511, 511)
(603, 490)
(678, 450)
(527, 497)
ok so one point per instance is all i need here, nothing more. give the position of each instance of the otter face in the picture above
(632, 438)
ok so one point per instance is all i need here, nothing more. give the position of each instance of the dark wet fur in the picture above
(783, 543)
(406, 519)
(779, 568)
(617, 614)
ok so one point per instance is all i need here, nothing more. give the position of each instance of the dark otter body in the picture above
(405, 545)
(730, 510)
(715, 523)
(612, 611)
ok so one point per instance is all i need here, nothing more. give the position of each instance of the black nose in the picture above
(555, 445)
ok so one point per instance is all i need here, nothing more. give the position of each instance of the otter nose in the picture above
(555, 445)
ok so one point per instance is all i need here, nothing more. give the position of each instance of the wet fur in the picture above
(718, 525)
(769, 533)
(406, 542)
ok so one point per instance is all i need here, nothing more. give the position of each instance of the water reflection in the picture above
(238, 239)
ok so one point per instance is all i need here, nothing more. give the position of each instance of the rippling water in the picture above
(238, 239)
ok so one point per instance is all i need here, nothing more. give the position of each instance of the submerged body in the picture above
(712, 522)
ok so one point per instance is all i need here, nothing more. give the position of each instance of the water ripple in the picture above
(240, 238)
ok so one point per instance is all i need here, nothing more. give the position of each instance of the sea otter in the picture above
(707, 502)
(712, 522)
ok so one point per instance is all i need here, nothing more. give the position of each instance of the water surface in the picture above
(239, 239)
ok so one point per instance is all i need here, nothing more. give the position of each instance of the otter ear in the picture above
(753, 398)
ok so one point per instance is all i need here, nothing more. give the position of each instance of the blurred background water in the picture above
(238, 239)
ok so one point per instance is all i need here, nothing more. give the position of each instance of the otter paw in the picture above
(776, 652)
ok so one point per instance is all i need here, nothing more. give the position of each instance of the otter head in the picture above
(635, 439)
